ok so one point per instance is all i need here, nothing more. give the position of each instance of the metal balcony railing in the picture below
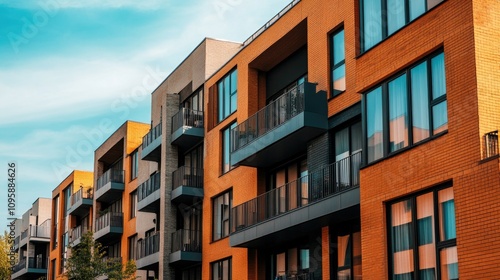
(112, 175)
(297, 276)
(148, 245)
(187, 176)
(491, 144)
(331, 180)
(187, 117)
(40, 231)
(109, 219)
(81, 194)
(270, 22)
(285, 107)
(77, 233)
(152, 135)
(39, 262)
(186, 240)
(148, 187)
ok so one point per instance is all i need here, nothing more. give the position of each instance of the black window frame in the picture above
(384, 20)
(133, 204)
(333, 66)
(228, 192)
(132, 247)
(221, 95)
(134, 164)
(439, 245)
(220, 264)
(227, 129)
(385, 109)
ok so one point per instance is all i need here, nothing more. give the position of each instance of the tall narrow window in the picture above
(134, 164)
(228, 92)
(338, 62)
(222, 205)
(133, 204)
(421, 88)
(226, 148)
(381, 18)
(132, 247)
(221, 270)
(416, 242)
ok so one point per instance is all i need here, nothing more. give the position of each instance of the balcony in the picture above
(81, 201)
(328, 194)
(108, 226)
(110, 186)
(186, 247)
(187, 185)
(147, 252)
(33, 268)
(187, 128)
(16, 242)
(148, 194)
(151, 144)
(76, 235)
(490, 147)
(39, 233)
(294, 275)
(292, 120)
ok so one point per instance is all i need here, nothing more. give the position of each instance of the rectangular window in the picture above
(415, 241)
(381, 18)
(226, 148)
(338, 62)
(221, 270)
(228, 92)
(132, 247)
(222, 205)
(420, 90)
(133, 204)
(134, 164)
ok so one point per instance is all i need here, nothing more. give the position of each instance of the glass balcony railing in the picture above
(112, 175)
(186, 240)
(333, 179)
(152, 135)
(112, 219)
(149, 187)
(148, 245)
(40, 231)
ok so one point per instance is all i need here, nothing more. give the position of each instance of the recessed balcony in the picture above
(148, 194)
(327, 194)
(186, 247)
(81, 201)
(110, 186)
(293, 119)
(108, 226)
(148, 252)
(187, 185)
(187, 128)
(151, 144)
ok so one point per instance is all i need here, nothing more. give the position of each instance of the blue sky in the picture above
(72, 71)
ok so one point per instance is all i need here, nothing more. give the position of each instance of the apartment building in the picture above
(356, 139)
(32, 241)
(71, 213)
(171, 168)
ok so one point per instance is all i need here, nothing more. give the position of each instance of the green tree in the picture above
(86, 261)
(5, 265)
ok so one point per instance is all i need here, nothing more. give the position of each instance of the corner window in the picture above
(381, 18)
(422, 235)
(420, 90)
(134, 164)
(221, 270)
(222, 205)
(228, 92)
(226, 148)
(338, 62)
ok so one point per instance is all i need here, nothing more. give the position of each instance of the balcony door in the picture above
(290, 185)
(348, 142)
